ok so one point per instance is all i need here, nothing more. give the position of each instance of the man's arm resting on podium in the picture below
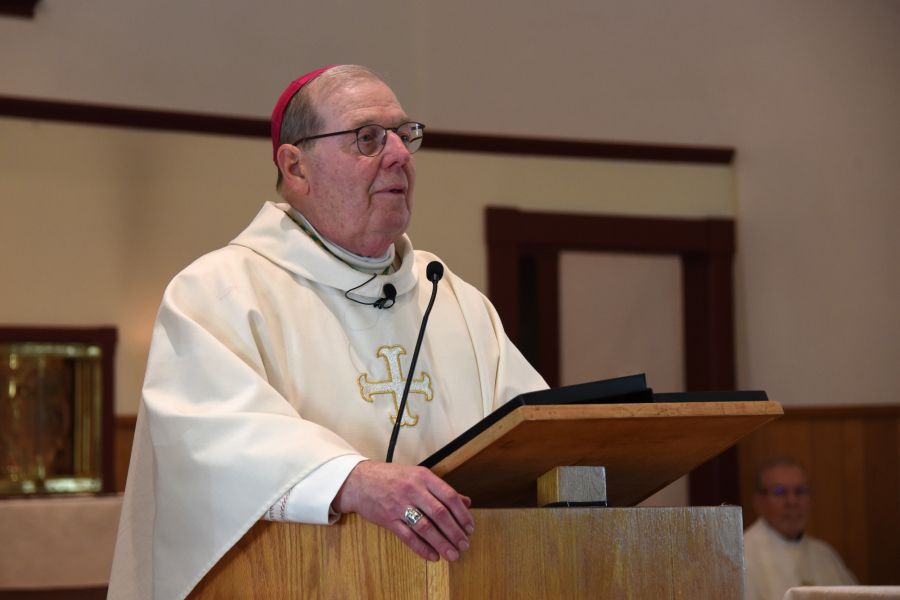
(381, 493)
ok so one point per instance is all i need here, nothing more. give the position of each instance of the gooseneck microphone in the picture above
(434, 272)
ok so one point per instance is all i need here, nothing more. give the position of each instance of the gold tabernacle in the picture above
(50, 418)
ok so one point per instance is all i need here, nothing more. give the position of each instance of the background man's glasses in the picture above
(371, 139)
(780, 491)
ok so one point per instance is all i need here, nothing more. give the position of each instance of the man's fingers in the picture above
(446, 524)
(412, 539)
(447, 497)
(434, 538)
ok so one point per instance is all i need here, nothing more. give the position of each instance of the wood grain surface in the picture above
(348, 560)
(644, 447)
(522, 554)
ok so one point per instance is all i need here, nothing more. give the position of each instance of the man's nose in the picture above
(792, 497)
(395, 152)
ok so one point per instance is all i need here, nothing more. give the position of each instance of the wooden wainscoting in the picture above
(853, 457)
(124, 439)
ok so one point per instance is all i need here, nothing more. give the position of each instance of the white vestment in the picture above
(774, 564)
(260, 371)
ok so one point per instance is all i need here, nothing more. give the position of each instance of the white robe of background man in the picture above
(261, 371)
(774, 564)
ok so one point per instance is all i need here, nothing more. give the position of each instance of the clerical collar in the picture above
(779, 535)
(380, 265)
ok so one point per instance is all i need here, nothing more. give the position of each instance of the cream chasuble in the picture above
(260, 371)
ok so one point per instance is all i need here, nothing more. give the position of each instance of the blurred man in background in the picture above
(777, 554)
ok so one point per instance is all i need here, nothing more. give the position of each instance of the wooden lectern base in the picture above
(525, 553)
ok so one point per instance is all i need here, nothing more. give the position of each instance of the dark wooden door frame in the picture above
(706, 248)
(18, 8)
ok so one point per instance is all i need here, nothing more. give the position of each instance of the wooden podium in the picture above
(521, 553)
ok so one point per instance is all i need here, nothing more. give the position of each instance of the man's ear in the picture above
(293, 169)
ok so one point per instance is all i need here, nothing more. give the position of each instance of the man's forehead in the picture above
(358, 103)
(784, 473)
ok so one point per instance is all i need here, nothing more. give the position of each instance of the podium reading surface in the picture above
(644, 447)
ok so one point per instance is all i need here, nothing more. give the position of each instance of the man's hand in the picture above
(381, 493)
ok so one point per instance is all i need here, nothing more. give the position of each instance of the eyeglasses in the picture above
(371, 139)
(780, 491)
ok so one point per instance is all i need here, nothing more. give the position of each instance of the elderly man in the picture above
(777, 554)
(276, 365)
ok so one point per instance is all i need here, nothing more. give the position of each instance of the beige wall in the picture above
(97, 242)
(621, 314)
(807, 92)
(97, 220)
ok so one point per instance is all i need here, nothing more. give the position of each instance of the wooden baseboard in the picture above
(60, 594)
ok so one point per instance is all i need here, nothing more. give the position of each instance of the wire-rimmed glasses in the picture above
(371, 139)
(782, 491)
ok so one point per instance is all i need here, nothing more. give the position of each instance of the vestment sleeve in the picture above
(310, 500)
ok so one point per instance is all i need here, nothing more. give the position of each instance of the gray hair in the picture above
(778, 461)
(301, 116)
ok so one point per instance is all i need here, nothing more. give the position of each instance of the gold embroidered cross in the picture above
(395, 385)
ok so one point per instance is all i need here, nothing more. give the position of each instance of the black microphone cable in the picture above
(434, 272)
(390, 293)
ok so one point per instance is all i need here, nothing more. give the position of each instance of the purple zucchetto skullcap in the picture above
(286, 95)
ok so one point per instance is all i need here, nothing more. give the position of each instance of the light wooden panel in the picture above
(644, 447)
(602, 553)
(522, 554)
(281, 560)
(853, 458)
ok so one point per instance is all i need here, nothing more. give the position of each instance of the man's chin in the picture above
(394, 224)
(791, 530)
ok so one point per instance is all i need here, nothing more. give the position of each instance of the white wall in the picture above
(807, 92)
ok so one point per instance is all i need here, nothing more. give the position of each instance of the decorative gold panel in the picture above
(51, 422)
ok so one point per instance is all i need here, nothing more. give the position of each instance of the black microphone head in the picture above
(389, 291)
(434, 271)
